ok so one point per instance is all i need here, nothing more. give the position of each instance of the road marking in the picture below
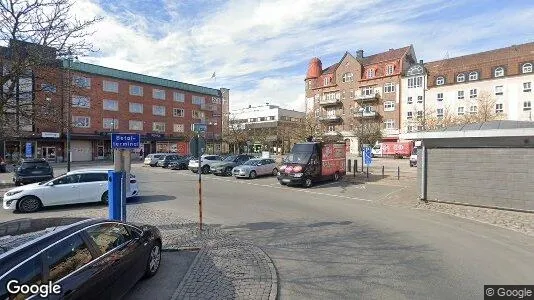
(393, 192)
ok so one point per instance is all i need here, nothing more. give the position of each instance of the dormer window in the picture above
(473, 76)
(389, 69)
(325, 81)
(527, 68)
(371, 73)
(499, 72)
(460, 77)
(440, 80)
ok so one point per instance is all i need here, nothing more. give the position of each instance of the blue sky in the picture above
(260, 49)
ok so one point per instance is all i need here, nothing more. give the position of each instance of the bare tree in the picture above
(235, 134)
(433, 118)
(485, 111)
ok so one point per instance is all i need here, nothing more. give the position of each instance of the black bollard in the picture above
(398, 173)
(367, 172)
(349, 165)
(383, 172)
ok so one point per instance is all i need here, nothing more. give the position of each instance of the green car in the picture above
(225, 167)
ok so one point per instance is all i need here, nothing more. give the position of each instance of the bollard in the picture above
(383, 176)
(349, 165)
(398, 173)
(367, 172)
(355, 166)
(114, 195)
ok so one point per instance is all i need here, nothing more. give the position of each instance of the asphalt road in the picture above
(338, 240)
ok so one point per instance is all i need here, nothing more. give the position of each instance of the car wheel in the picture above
(336, 176)
(105, 197)
(154, 260)
(252, 174)
(205, 169)
(228, 171)
(275, 172)
(29, 204)
(308, 182)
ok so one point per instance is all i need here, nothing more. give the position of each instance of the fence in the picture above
(376, 172)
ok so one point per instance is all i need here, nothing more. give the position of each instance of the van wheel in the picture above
(307, 182)
(336, 176)
(105, 197)
(29, 204)
(275, 172)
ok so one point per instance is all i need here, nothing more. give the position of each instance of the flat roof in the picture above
(497, 128)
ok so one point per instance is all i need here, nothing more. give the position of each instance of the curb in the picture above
(193, 264)
(274, 276)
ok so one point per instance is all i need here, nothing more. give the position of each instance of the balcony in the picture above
(209, 107)
(324, 101)
(367, 98)
(365, 114)
(330, 119)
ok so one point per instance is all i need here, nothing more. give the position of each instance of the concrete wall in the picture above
(500, 177)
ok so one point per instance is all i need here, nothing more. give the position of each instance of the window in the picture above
(347, 77)
(29, 273)
(527, 106)
(410, 100)
(66, 257)
(419, 114)
(178, 97)
(262, 119)
(331, 128)
(110, 86)
(81, 101)
(527, 86)
(325, 81)
(158, 110)
(177, 112)
(342, 94)
(440, 97)
(409, 115)
(136, 108)
(83, 82)
(439, 113)
(68, 179)
(351, 94)
(419, 99)
(110, 123)
(473, 109)
(419, 127)
(389, 87)
(48, 87)
(81, 122)
(389, 124)
(409, 128)
(308, 84)
(473, 76)
(415, 82)
(252, 119)
(440, 80)
(370, 73)
(108, 236)
(473, 93)
(460, 77)
(389, 69)
(94, 177)
(389, 105)
(158, 127)
(498, 90)
(460, 111)
(112, 105)
(367, 91)
(136, 90)
(135, 125)
(200, 115)
(499, 108)
(178, 127)
(198, 100)
(499, 72)
(158, 94)
(272, 118)
(460, 95)
(527, 68)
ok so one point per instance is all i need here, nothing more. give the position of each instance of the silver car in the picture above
(256, 167)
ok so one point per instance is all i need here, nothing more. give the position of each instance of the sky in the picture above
(260, 50)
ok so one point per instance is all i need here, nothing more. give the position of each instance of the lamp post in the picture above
(69, 103)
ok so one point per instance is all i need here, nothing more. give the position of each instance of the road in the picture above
(339, 240)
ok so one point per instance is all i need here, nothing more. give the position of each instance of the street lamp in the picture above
(69, 103)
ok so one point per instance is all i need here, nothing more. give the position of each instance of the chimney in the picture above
(421, 61)
(359, 53)
(249, 106)
(391, 49)
(267, 103)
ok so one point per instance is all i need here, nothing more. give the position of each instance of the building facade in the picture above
(358, 90)
(493, 84)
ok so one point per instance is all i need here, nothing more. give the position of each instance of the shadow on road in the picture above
(151, 198)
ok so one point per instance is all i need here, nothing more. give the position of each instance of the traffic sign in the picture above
(193, 145)
(125, 140)
(367, 156)
(199, 127)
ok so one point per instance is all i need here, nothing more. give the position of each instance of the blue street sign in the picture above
(199, 127)
(29, 150)
(367, 156)
(125, 140)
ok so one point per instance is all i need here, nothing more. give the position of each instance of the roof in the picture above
(130, 76)
(385, 56)
(497, 128)
(330, 69)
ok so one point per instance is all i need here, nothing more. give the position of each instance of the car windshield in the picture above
(34, 165)
(252, 162)
(230, 158)
(298, 157)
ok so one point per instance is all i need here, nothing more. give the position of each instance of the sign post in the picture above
(199, 129)
(119, 179)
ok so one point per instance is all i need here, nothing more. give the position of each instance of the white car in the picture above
(207, 161)
(256, 167)
(80, 186)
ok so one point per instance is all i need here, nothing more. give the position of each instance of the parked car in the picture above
(225, 167)
(413, 158)
(79, 186)
(153, 158)
(165, 160)
(86, 258)
(181, 164)
(207, 162)
(31, 171)
(256, 167)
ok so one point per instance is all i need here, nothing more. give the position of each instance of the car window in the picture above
(108, 236)
(68, 179)
(28, 273)
(34, 165)
(94, 177)
(212, 157)
(252, 162)
(66, 257)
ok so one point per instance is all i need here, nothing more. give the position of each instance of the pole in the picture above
(367, 171)
(383, 172)
(199, 183)
(69, 103)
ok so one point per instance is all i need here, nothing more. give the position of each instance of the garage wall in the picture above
(501, 177)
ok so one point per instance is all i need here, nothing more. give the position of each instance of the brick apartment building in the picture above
(105, 100)
(466, 85)
(359, 89)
